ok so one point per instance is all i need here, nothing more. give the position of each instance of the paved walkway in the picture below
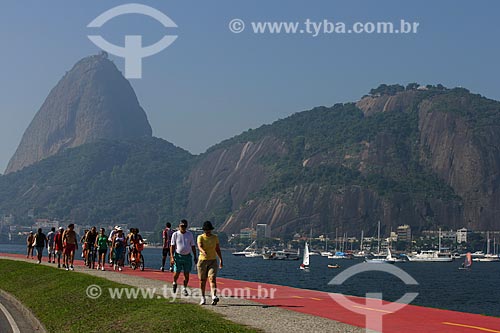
(299, 310)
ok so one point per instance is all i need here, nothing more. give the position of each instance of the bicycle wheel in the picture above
(93, 258)
(141, 263)
(88, 259)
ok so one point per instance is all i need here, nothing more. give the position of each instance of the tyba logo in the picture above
(133, 51)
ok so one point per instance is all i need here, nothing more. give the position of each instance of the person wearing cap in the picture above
(181, 246)
(208, 244)
(29, 244)
(119, 244)
(58, 246)
(110, 240)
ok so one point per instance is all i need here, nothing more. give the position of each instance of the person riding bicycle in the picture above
(136, 245)
(90, 239)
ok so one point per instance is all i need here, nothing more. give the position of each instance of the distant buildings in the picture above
(263, 231)
(404, 233)
(247, 233)
(449, 235)
(45, 224)
(462, 235)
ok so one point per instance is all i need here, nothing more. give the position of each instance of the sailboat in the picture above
(361, 253)
(248, 250)
(488, 257)
(468, 262)
(305, 258)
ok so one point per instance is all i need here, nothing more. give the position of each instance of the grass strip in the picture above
(58, 299)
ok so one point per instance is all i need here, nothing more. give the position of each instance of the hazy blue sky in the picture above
(212, 84)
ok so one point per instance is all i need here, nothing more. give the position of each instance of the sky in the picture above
(212, 84)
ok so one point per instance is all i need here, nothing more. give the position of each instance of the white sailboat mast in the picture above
(378, 237)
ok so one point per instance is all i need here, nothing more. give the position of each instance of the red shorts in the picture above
(69, 248)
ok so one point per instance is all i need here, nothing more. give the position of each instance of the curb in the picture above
(32, 319)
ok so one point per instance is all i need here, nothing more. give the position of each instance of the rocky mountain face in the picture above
(92, 101)
(425, 157)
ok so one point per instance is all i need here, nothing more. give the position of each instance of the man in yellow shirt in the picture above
(208, 244)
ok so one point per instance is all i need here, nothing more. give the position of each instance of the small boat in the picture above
(393, 259)
(430, 256)
(253, 254)
(380, 259)
(305, 258)
(248, 250)
(281, 255)
(487, 258)
(334, 266)
(468, 262)
(339, 255)
(359, 255)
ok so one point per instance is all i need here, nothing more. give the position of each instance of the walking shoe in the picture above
(102, 268)
(59, 266)
(64, 266)
(203, 301)
(53, 261)
(185, 292)
(72, 268)
(215, 300)
(120, 269)
(171, 269)
(162, 269)
(39, 262)
(67, 268)
(174, 287)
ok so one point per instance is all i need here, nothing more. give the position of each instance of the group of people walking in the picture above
(179, 244)
(62, 243)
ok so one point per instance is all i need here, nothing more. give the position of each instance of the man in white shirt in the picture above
(110, 240)
(181, 247)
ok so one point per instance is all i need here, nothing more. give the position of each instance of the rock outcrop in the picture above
(92, 101)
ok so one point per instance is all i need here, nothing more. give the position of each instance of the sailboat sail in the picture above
(468, 260)
(305, 260)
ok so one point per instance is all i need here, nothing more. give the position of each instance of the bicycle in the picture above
(137, 253)
(91, 257)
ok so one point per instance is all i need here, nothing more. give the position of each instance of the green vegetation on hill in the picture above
(141, 182)
(58, 299)
(331, 134)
